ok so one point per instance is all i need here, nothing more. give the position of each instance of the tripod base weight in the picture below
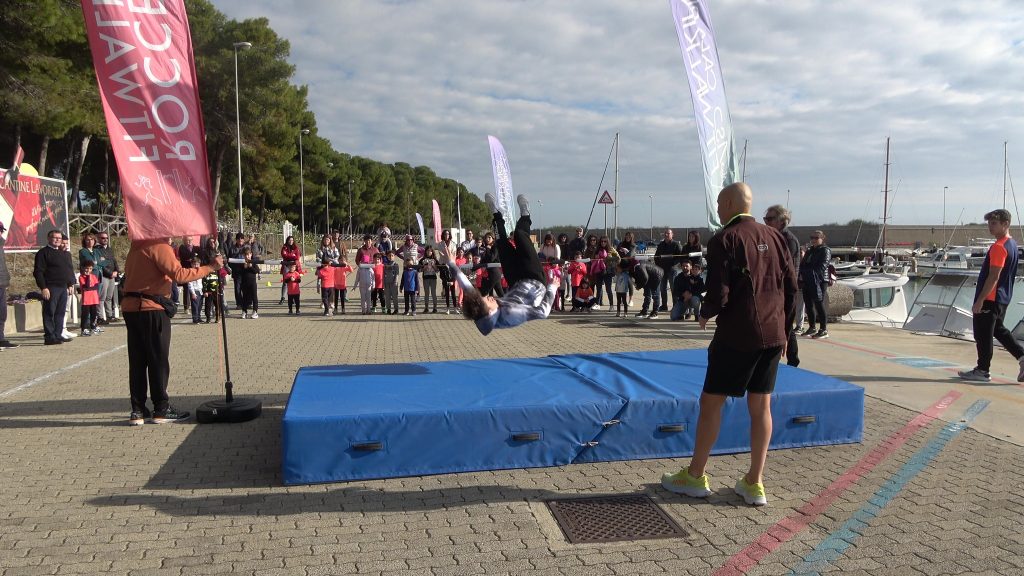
(238, 410)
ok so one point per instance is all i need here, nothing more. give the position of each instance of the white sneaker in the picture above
(255, 315)
(66, 334)
(244, 315)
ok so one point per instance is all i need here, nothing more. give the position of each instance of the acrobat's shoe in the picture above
(524, 205)
(491, 204)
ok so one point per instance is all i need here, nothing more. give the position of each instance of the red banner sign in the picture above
(142, 52)
(30, 207)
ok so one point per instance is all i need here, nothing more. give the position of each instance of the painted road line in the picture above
(833, 547)
(45, 377)
(799, 519)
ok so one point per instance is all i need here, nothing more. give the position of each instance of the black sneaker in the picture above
(136, 419)
(170, 415)
(652, 316)
(820, 334)
(7, 344)
(640, 315)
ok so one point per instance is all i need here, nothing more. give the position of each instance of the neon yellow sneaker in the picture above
(752, 494)
(683, 483)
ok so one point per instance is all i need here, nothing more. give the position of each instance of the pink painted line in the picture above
(783, 530)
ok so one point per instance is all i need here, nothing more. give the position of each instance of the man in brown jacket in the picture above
(150, 268)
(751, 286)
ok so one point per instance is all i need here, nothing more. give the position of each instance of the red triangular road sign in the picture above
(606, 198)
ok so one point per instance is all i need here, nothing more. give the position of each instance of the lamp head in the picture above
(305, 130)
(330, 164)
(242, 45)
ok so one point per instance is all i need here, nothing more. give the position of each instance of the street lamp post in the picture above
(327, 196)
(651, 196)
(944, 188)
(540, 231)
(302, 192)
(349, 207)
(238, 132)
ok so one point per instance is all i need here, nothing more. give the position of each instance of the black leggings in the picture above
(518, 262)
(815, 310)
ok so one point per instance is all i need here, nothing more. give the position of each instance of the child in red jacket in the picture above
(292, 280)
(577, 271)
(553, 273)
(341, 272)
(326, 275)
(89, 287)
(378, 283)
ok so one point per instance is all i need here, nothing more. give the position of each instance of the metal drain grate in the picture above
(613, 519)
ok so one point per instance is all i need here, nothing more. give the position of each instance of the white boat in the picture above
(950, 258)
(878, 299)
(943, 307)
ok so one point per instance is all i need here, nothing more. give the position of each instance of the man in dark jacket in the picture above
(751, 286)
(106, 266)
(666, 256)
(577, 244)
(778, 217)
(54, 275)
(648, 276)
(687, 291)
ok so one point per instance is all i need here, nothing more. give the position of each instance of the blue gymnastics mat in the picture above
(391, 420)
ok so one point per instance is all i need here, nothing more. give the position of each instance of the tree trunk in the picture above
(42, 156)
(78, 170)
(218, 169)
(17, 140)
(263, 209)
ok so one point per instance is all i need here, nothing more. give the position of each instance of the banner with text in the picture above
(503, 194)
(31, 206)
(142, 52)
(707, 92)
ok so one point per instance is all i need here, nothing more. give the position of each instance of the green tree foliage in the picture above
(50, 92)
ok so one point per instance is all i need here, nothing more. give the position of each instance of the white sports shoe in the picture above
(255, 315)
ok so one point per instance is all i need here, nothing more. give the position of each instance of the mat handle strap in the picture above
(804, 419)
(668, 428)
(368, 446)
(526, 436)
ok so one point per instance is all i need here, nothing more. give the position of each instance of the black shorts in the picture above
(736, 372)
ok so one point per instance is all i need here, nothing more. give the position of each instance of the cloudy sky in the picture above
(814, 87)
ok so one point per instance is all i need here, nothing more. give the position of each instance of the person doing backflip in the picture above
(529, 296)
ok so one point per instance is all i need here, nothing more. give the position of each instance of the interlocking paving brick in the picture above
(84, 493)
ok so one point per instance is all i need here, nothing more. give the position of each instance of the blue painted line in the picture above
(825, 554)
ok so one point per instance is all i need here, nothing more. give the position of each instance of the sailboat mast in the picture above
(1004, 174)
(743, 171)
(885, 205)
(615, 216)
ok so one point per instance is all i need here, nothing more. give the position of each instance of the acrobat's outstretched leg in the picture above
(519, 259)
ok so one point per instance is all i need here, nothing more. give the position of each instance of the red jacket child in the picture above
(378, 276)
(577, 270)
(88, 285)
(292, 280)
(341, 276)
(326, 276)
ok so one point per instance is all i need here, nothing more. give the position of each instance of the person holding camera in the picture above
(152, 267)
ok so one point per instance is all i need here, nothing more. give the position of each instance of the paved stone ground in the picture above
(83, 493)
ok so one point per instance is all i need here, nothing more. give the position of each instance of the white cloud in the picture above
(815, 86)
